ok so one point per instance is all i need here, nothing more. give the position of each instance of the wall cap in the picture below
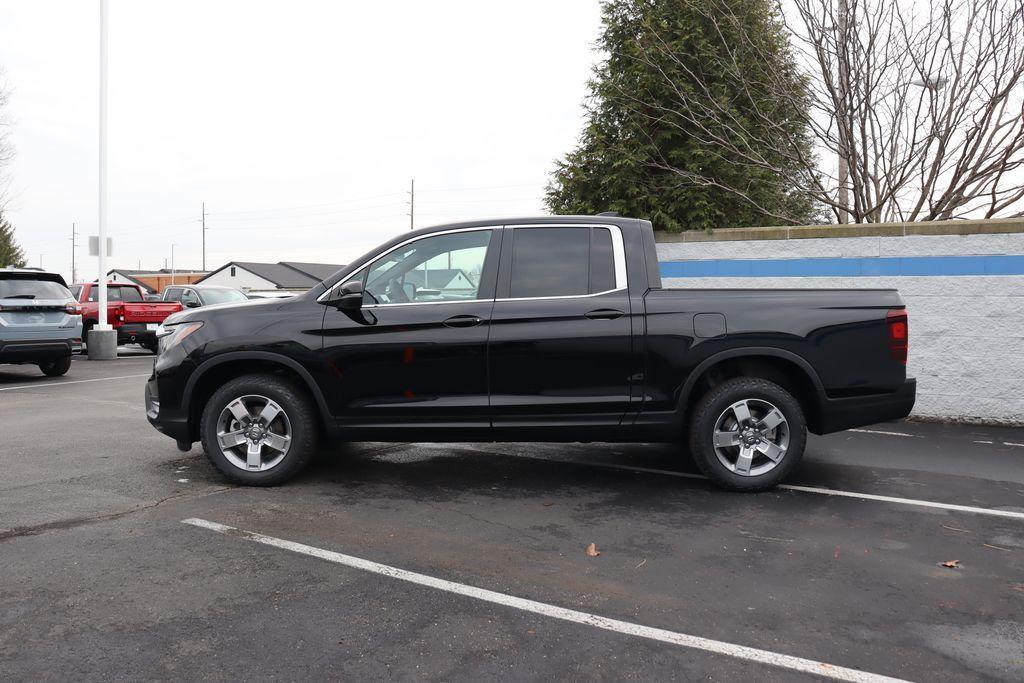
(835, 231)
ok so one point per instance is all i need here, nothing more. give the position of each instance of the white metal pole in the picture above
(172, 264)
(103, 170)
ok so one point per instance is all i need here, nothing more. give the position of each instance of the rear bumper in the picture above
(30, 351)
(135, 333)
(838, 414)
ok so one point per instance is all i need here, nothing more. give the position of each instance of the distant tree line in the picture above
(722, 113)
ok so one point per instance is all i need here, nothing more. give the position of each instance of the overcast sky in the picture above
(298, 123)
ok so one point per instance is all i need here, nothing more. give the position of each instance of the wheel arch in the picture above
(785, 368)
(214, 372)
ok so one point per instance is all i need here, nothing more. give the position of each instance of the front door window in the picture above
(442, 268)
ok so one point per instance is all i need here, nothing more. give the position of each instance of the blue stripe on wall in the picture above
(847, 267)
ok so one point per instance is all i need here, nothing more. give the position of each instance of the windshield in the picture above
(221, 296)
(21, 288)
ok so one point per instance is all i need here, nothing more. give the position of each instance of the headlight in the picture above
(169, 336)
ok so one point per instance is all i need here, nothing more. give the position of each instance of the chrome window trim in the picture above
(618, 254)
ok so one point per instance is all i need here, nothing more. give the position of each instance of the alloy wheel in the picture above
(254, 433)
(751, 437)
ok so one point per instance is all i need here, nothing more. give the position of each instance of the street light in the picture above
(102, 341)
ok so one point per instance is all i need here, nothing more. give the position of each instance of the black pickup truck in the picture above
(539, 329)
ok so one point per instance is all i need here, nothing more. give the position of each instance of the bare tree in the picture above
(920, 103)
(6, 148)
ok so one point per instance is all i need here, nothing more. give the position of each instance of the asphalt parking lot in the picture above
(468, 561)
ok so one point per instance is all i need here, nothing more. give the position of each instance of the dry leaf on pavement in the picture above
(592, 550)
(952, 564)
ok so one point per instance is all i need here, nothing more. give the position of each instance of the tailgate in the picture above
(149, 312)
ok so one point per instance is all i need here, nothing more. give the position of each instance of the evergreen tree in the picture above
(645, 152)
(10, 253)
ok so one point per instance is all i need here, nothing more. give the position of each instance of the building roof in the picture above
(286, 274)
(320, 271)
(162, 271)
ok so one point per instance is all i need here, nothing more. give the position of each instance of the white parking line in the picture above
(804, 489)
(836, 673)
(74, 381)
(877, 431)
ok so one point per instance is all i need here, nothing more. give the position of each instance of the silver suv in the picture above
(40, 322)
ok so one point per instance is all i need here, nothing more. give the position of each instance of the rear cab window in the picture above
(116, 293)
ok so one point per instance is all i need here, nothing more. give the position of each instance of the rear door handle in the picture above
(463, 321)
(604, 314)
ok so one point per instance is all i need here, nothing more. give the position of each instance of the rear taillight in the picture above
(899, 333)
(73, 309)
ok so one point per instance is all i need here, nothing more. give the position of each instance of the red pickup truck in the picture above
(128, 312)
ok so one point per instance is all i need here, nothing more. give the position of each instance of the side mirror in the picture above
(349, 297)
(192, 304)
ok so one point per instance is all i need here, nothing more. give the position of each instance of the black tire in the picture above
(86, 326)
(150, 345)
(300, 414)
(57, 367)
(715, 403)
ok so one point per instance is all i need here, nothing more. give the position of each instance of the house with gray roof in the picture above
(251, 276)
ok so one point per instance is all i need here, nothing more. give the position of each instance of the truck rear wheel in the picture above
(747, 434)
(56, 367)
(259, 430)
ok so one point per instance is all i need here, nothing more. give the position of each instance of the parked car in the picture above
(128, 312)
(194, 296)
(40, 322)
(564, 333)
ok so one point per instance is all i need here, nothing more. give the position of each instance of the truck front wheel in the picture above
(747, 434)
(259, 430)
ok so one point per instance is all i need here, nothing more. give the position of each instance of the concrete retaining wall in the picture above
(967, 331)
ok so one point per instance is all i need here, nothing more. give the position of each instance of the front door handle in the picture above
(604, 314)
(463, 321)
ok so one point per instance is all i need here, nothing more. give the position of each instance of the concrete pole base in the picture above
(102, 344)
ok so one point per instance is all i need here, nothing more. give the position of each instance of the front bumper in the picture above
(838, 414)
(33, 350)
(173, 423)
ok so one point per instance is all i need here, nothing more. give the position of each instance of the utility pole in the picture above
(842, 43)
(74, 245)
(203, 220)
(172, 263)
(412, 202)
(40, 262)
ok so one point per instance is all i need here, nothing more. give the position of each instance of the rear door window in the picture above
(563, 261)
